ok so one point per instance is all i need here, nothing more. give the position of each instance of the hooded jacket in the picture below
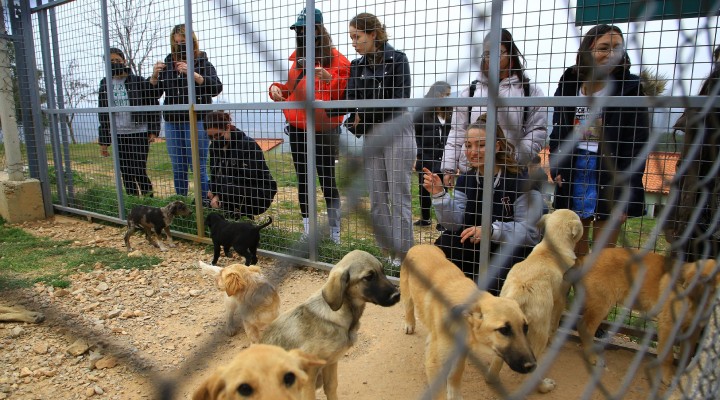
(624, 133)
(175, 87)
(140, 93)
(528, 136)
(296, 88)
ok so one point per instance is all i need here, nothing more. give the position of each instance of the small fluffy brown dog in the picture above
(154, 220)
(611, 278)
(450, 305)
(260, 372)
(326, 324)
(536, 283)
(248, 291)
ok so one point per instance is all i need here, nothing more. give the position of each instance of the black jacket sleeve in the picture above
(104, 118)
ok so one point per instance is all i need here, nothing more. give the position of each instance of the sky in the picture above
(249, 41)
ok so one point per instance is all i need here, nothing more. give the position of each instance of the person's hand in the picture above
(472, 233)
(323, 74)
(152, 137)
(215, 202)
(449, 180)
(276, 93)
(431, 182)
(356, 122)
(104, 151)
(181, 67)
(559, 180)
(157, 68)
(210, 195)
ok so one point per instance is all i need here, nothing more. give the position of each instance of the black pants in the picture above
(467, 257)
(425, 198)
(244, 201)
(133, 151)
(326, 151)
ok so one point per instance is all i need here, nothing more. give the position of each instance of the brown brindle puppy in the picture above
(154, 220)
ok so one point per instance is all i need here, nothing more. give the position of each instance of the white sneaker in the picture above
(335, 235)
(395, 262)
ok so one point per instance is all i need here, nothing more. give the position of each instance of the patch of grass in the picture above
(27, 259)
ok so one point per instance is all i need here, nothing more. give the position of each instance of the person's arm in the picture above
(536, 133)
(278, 91)
(401, 80)
(522, 230)
(210, 83)
(450, 210)
(340, 74)
(104, 138)
(455, 139)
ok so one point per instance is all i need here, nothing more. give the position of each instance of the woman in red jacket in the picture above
(332, 70)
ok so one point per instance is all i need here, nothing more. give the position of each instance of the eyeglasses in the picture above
(486, 54)
(607, 50)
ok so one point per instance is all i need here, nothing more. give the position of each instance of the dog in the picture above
(155, 219)
(248, 290)
(260, 372)
(536, 284)
(244, 237)
(326, 324)
(610, 280)
(451, 306)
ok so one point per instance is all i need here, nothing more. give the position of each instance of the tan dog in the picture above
(610, 279)
(248, 291)
(450, 305)
(326, 324)
(260, 372)
(536, 283)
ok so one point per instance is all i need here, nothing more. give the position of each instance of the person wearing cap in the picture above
(332, 70)
(135, 130)
(389, 147)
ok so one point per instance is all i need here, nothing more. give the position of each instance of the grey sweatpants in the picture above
(389, 152)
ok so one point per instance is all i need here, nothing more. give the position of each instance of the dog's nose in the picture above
(529, 366)
(395, 297)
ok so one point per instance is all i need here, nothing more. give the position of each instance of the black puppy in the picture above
(244, 237)
(155, 219)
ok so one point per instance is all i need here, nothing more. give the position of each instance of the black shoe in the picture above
(423, 222)
(440, 228)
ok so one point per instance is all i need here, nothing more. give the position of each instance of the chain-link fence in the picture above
(408, 104)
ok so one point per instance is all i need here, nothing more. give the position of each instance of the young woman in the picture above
(240, 181)
(594, 151)
(389, 147)
(171, 78)
(135, 130)
(516, 208)
(525, 127)
(431, 131)
(331, 75)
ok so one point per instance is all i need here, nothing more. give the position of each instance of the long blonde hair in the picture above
(504, 153)
(180, 30)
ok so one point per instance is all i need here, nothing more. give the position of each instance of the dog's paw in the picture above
(172, 245)
(409, 328)
(547, 385)
(163, 249)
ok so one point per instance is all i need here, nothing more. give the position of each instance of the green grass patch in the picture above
(27, 259)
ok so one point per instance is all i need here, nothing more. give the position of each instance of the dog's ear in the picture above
(577, 231)
(234, 283)
(211, 388)
(541, 223)
(334, 289)
(307, 361)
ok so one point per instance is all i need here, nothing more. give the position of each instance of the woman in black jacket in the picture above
(170, 76)
(594, 151)
(389, 147)
(432, 126)
(135, 130)
(240, 181)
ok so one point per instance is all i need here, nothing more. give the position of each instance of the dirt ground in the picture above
(135, 333)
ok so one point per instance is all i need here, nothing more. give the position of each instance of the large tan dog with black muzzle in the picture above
(326, 324)
(536, 283)
(459, 316)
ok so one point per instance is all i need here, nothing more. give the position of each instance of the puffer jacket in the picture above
(389, 80)
(175, 87)
(528, 137)
(625, 133)
(295, 90)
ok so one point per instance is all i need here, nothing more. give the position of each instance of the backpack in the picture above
(526, 91)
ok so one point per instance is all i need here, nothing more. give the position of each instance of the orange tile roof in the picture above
(659, 171)
(269, 144)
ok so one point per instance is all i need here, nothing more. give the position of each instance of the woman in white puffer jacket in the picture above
(525, 127)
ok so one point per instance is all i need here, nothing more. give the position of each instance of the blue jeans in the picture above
(585, 184)
(178, 145)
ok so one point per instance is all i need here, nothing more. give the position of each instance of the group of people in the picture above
(596, 153)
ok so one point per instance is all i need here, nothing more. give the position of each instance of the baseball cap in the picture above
(302, 16)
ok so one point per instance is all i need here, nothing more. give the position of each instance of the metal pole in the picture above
(61, 104)
(311, 139)
(111, 104)
(194, 134)
(11, 137)
(51, 104)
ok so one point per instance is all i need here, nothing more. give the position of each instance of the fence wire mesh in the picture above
(474, 120)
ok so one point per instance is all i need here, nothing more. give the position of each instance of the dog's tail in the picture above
(210, 270)
(265, 224)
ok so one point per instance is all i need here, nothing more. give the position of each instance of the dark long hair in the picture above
(517, 60)
(436, 91)
(585, 62)
(323, 45)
